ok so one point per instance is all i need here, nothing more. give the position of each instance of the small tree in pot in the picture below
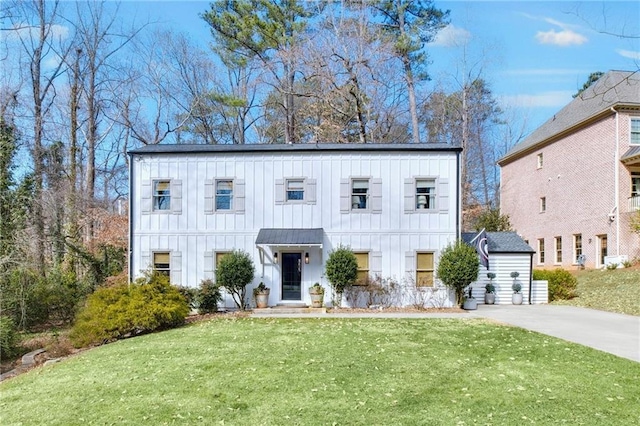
(234, 272)
(490, 290)
(341, 269)
(458, 267)
(516, 297)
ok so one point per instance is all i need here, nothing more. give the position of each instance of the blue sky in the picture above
(534, 54)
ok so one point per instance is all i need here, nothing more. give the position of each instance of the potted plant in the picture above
(516, 297)
(490, 290)
(261, 294)
(470, 302)
(316, 292)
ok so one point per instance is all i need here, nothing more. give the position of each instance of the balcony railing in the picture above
(634, 203)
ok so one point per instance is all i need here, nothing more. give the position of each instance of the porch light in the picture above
(306, 258)
(275, 257)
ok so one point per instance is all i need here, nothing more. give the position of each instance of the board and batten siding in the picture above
(387, 230)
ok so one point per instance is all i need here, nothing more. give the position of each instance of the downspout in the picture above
(130, 218)
(617, 181)
(458, 204)
(530, 277)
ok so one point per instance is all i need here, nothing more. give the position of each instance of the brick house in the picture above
(571, 187)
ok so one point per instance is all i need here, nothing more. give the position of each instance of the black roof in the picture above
(298, 147)
(290, 236)
(501, 242)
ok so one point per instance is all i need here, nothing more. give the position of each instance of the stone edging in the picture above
(28, 361)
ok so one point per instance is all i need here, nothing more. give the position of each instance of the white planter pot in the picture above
(516, 298)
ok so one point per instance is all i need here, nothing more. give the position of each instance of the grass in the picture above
(243, 371)
(613, 291)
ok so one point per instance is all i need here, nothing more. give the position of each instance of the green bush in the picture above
(148, 304)
(210, 297)
(562, 285)
(458, 267)
(341, 268)
(234, 272)
(191, 295)
(8, 338)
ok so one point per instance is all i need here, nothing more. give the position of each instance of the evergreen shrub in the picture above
(209, 298)
(8, 338)
(562, 285)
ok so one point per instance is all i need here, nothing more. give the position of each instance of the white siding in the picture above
(385, 230)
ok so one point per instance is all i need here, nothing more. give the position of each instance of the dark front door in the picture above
(291, 276)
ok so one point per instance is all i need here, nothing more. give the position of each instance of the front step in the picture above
(283, 309)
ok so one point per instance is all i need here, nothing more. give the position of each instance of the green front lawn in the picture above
(242, 371)
(613, 291)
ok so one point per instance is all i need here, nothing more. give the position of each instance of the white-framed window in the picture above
(363, 267)
(577, 247)
(162, 262)
(634, 131)
(541, 251)
(161, 195)
(558, 249)
(294, 190)
(543, 204)
(224, 194)
(635, 184)
(424, 269)
(540, 160)
(425, 197)
(359, 194)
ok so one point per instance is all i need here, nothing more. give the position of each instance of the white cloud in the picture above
(451, 36)
(25, 30)
(631, 54)
(560, 38)
(558, 98)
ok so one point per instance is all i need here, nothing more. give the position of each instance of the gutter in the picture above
(531, 277)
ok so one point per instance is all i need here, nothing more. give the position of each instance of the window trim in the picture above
(155, 196)
(631, 132)
(305, 195)
(363, 280)
(433, 196)
(432, 270)
(557, 250)
(165, 271)
(231, 196)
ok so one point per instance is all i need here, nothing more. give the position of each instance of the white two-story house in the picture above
(288, 206)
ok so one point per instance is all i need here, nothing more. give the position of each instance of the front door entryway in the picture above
(291, 276)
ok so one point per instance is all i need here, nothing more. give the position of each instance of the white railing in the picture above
(634, 203)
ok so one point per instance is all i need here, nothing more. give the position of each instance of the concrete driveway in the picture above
(609, 332)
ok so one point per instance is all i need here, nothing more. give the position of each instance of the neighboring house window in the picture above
(224, 195)
(425, 193)
(359, 194)
(295, 189)
(424, 269)
(162, 263)
(635, 184)
(577, 247)
(558, 245)
(363, 267)
(541, 250)
(543, 204)
(161, 195)
(634, 137)
(540, 160)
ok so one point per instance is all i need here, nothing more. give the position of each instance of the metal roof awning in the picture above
(290, 237)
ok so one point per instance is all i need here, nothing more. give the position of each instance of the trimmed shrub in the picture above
(341, 268)
(210, 297)
(191, 295)
(562, 285)
(458, 267)
(124, 310)
(234, 272)
(8, 338)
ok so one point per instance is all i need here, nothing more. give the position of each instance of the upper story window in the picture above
(540, 160)
(161, 195)
(224, 195)
(360, 194)
(543, 204)
(634, 137)
(425, 194)
(295, 189)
